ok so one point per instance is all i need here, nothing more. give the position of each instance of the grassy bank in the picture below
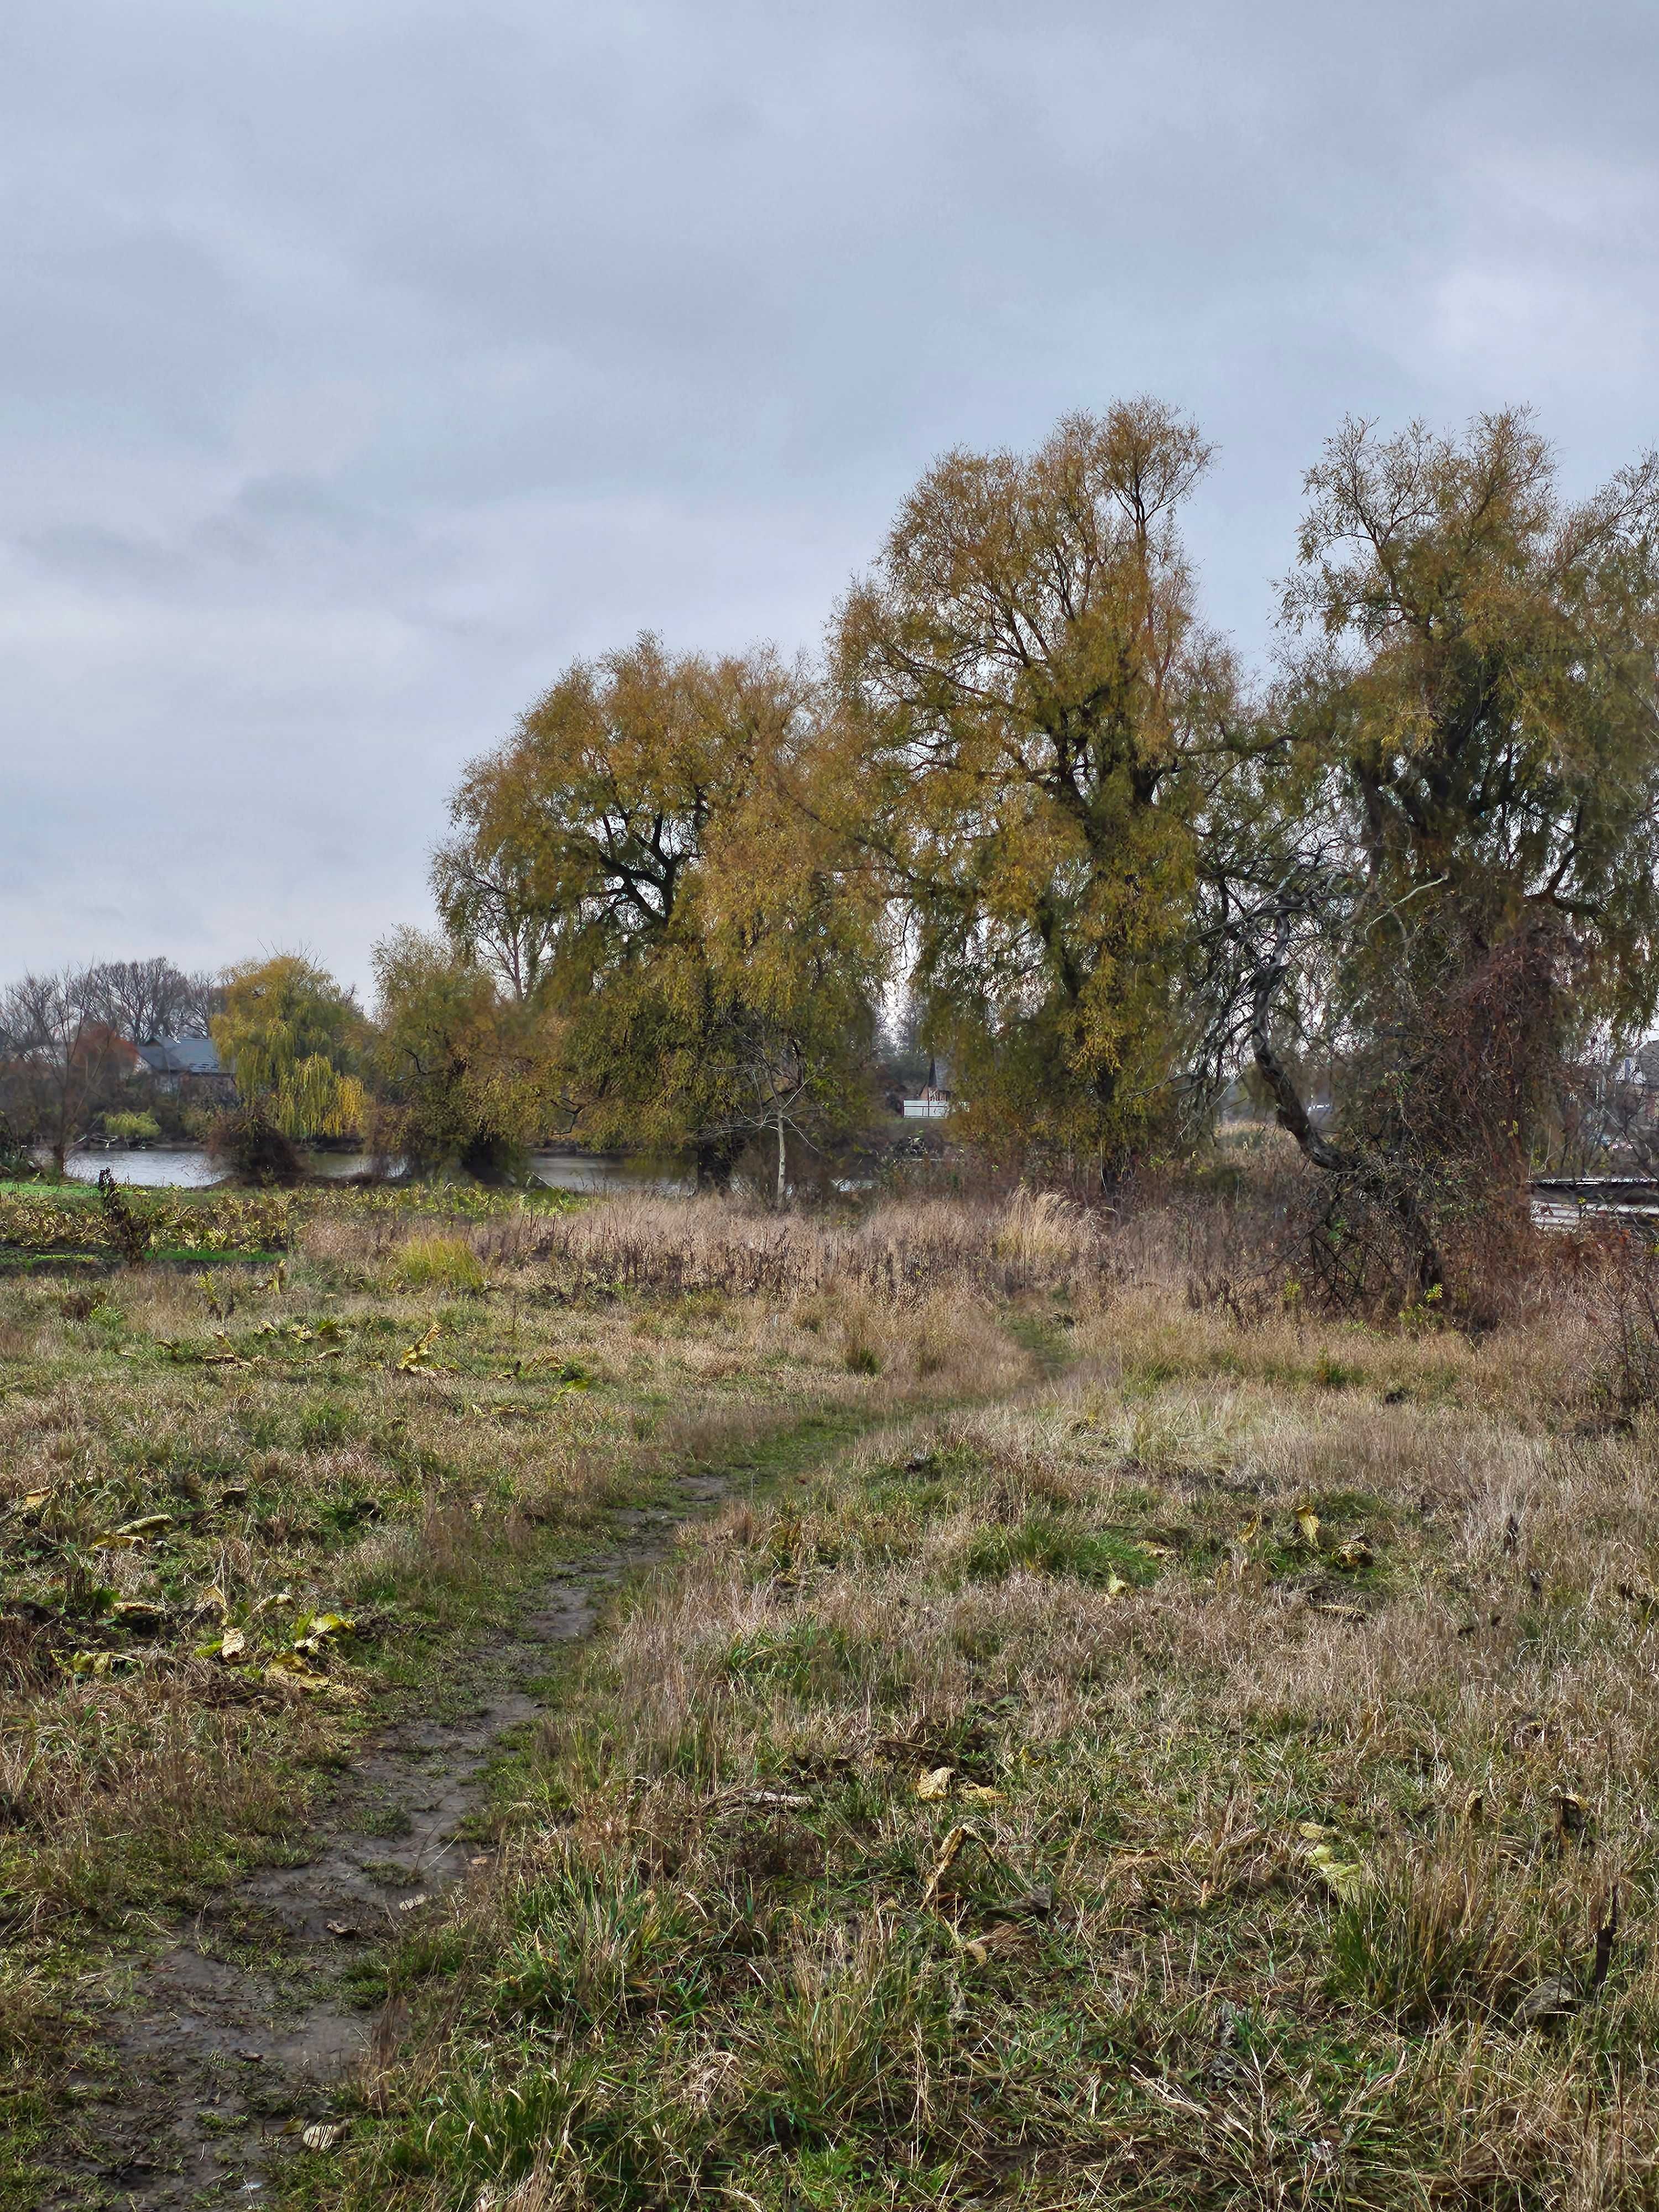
(1221, 1777)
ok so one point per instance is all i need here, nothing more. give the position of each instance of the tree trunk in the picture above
(1291, 1113)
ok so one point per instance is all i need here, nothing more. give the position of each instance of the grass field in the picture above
(1159, 1755)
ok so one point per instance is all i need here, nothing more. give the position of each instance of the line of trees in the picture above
(1400, 886)
(1114, 871)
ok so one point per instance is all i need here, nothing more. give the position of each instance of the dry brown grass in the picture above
(1308, 1669)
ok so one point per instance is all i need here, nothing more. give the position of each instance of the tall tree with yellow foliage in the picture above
(1028, 699)
(710, 974)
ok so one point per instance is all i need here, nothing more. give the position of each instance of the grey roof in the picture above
(181, 1056)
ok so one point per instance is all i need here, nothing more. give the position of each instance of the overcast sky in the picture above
(363, 362)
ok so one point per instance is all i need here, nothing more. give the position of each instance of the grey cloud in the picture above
(362, 362)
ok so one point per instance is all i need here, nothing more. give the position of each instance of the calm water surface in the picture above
(193, 1170)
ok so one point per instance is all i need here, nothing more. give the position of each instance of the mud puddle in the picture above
(232, 2040)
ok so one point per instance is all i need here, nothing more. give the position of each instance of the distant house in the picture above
(932, 1105)
(189, 1068)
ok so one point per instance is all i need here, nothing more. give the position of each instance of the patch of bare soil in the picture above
(230, 2042)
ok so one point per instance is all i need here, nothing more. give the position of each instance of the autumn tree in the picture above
(293, 1040)
(1452, 869)
(707, 970)
(1028, 698)
(468, 1065)
(61, 1061)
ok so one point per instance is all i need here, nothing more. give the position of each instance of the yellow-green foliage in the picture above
(434, 1261)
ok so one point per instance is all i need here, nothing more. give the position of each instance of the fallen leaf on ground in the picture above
(1005, 1938)
(935, 1783)
(412, 1903)
(418, 1357)
(1356, 1553)
(315, 1633)
(1345, 1877)
(980, 1793)
(212, 1600)
(323, 2134)
(1308, 1522)
(949, 1852)
(230, 1645)
(341, 1927)
(99, 1662)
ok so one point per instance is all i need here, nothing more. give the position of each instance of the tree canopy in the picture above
(293, 1039)
(708, 969)
(1032, 693)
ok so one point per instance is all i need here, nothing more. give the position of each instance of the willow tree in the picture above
(466, 1064)
(708, 972)
(1462, 887)
(1028, 688)
(293, 1039)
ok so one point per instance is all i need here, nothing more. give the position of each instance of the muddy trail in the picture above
(232, 2040)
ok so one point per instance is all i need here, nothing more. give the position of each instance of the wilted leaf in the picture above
(977, 1793)
(413, 1904)
(1346, 1877)
(313, 1634)
(290, 1670)
(1314, 1832)
(935, 1783)
(1308, 1522)
(32, 1500)
(93, 1663)
(418, 1357)
(341, 1927)
(942, 1865)
(323, 2134)
(1115, 1584)
(1355, 1552)
(212, 1600)
(230, 1645)
(272, 1599)
(1005, 1938)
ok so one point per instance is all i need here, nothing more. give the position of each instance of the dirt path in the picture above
(230, 2041)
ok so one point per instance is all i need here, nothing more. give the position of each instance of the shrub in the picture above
(132, 1128)
(250, 1148)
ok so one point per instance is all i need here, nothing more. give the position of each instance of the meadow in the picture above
(1123, 1739)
